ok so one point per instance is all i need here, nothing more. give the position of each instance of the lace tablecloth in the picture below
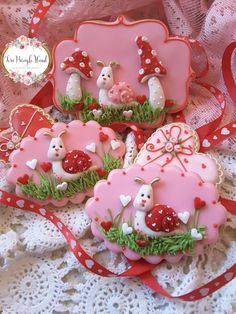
(38, 274)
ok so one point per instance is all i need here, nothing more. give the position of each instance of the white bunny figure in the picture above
(152, 220)
(67, 166)
(115, 95)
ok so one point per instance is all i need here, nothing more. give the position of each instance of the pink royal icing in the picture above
(33, 157)
(177, 144)
(180, 194)
(116, 42)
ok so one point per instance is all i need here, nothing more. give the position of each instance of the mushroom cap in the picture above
(78, 62)
(76, 161)
(162, 218)
(150, 66)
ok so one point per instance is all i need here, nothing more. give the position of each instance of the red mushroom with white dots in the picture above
(150, 70)
(77, 65)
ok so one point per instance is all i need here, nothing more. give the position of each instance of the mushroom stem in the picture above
(156, 93)
(73, 89)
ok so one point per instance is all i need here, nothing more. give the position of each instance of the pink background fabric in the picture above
(213, 23)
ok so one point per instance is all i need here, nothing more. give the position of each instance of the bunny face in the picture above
(144, 199)
(56, 149)
(105, 79)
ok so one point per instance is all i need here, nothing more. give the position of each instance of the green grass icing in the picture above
(142, 113)
(47, 187)
(169, 244)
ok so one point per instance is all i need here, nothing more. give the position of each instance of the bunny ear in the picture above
(155, 180)
(99, 62)
(46, 133)
(139, 180)
(61, 133)
(113, 64)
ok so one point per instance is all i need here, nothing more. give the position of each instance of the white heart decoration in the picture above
(20, 203)
(42, 211)
(115, 144)
(99, 271)
(222, 105)
(45, 4)
(126, 229)
(196, 235)
(40, 11)
(31, 163)
(91, 147)
(228, 276)
(128, 114)
(204, 291)
(206, 143)
(89, 263)
(62, 186)
(97, 113)
(125, 199)
(79, 254)
(184, 217)
(225, 131)
(36, 20)
(8, 199)
(215, 137)
(73, 244)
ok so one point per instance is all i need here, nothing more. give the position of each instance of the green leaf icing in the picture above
(169, 244)
(66, 102)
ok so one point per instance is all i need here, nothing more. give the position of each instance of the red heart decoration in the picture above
(106, 225)
(101, 172)
(141, 242)
(141, 99)
(46, 166)
(103, 137)
(24, 120)
(203, 166)
(199, 203)
(24, 179)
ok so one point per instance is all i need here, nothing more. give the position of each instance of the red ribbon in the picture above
(227, 70)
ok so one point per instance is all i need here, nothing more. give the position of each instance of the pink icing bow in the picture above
(174, 146)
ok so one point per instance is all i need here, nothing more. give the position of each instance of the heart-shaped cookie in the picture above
(177, 144)
(25, 120)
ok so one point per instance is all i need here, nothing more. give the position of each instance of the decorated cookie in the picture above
(154, 213)
(64, 162)
(122, 73)
(24, 120)
(177, 144)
